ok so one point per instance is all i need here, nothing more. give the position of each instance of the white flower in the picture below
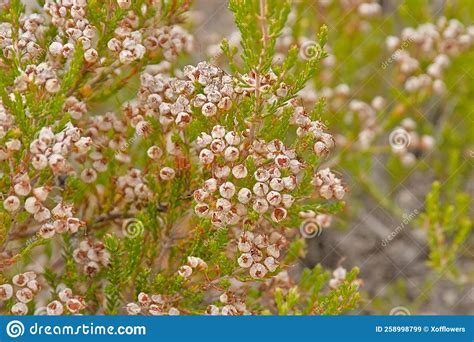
(231, 154)
(239, 171)
(221, 172)
(47, 231)
(206, 156)
(185, 271)
(91, 56)
(74, 305)
(39, 161)
(274, 198)
(42, 215)
(245, 242)
(209, 109)
(271, 264)
(279, 214)
(258, 271)
(196, 263)
(260, 205)
(245, 260)
(65, 294)
(261, 175)
(201, 209)
(32, 205)
(212, 310)
(260, 189)
(173, 312)
(143, 298)
(11, 203)
(55, 308)
(155, 310)
(273, 250)
(41, 193)
(167, 173)
(133, 309)
(232, 138)
(124, 4)
(6, 291)
(339, 273)
(24, 295)
(217, 145)
(229, 310)
(282, 161)
(154, 152)
(218, 132)
(19, 309)
(224, 298)
(52, 85)
(56, 48)
(223, 205)
(227, 190)
(210, 185)
(244, 195)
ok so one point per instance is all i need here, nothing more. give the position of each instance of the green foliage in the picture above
(447, 227)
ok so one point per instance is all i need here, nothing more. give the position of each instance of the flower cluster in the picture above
(62, 221)
(328, 185)
(91, 254)
(173, 40)
(41, 75)
(155, 305)
(338, 277)
(171, 100)
(127, 44)
(27, 287)
(260, 253)
(132, 189)
(69, 17)
(427, 51)
(195, 263)
(30, 31)
(67, 303)
(407, 143)
(365, 116)
(218, 91)
(322, 142)
(224, 198)
(233, 306)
